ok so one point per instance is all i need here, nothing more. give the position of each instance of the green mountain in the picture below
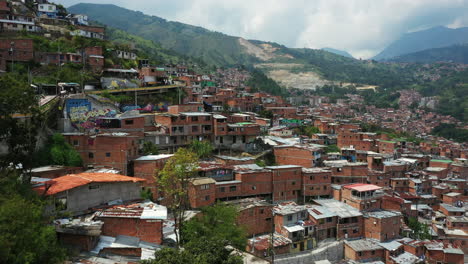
(455, 53)
(338, 52)
(436, 37)
(212, 47)
(295, 68)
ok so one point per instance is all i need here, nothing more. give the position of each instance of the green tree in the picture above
(58, 152)
(217, 222)
(149, 148)
(418, 230)
(25, 236)
(203, 149)
(173, 181)
(209, 238)
(20, 119)
(332, 148)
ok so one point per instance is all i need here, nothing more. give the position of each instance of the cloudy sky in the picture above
(361, 27)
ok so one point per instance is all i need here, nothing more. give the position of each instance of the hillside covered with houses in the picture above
(116, 150)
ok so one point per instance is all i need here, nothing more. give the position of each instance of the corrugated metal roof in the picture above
(201, 181)
(362, 187)
(294, 228)
(154, 157)
(363, 245)
(341, 209)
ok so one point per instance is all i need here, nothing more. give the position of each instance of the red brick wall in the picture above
(286, 183)
(148, 170)
(256, 220)
(228, 192)
(255, 183)
(294, 156)
(365, 255)
(145, 230)
(382, 229)
(199, 198)
(23, 49)
(320, 182)
(121, 149)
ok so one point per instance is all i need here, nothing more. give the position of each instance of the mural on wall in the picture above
(83, 117)
(160, 107)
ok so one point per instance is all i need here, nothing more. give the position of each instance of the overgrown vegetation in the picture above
(173, 181)
(203, 149)
(58, 152)
(450, 131)
(418, 230)
(306, 130)
(20, 120)
(209, 238)
(25, 237)
(259, 82)
(149, 148)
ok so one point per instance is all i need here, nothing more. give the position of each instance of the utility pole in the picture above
(12, 50)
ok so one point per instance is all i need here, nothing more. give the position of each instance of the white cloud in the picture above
(361, 27)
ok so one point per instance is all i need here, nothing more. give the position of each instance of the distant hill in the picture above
(338, 52)
(455, 53)
(436, 37)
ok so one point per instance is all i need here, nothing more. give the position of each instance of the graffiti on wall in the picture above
(83, 117)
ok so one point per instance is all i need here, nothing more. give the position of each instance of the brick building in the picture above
(143, 220)
(349, 220)
(382, 225)
(286, 182)
(255, 215)
(301, 155)
(147, 167)
(316, 183)
(114, 150)
(363, 197)
(363, 250)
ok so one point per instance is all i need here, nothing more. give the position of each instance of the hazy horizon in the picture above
(360, 27)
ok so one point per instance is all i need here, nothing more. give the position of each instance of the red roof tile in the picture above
(71, 181)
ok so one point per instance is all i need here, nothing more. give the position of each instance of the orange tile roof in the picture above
(71, 181)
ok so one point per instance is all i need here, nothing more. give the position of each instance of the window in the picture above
(108, 154)
(324, 187)
(90, 155)
(373, 252)
(194, 128)
(207, 198)
(294, 245)
(194, 118)
(207, 118)
(76, 143)
(311, 188)
(222, 189)
(93, 186)
(312, 178)
(205, 187)
(254, 187)
(329, 219)
(262, 211)
(290, 217)
(232, 188)
(359, 253)
(293, 183)
(355, 231)
(129, 122)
